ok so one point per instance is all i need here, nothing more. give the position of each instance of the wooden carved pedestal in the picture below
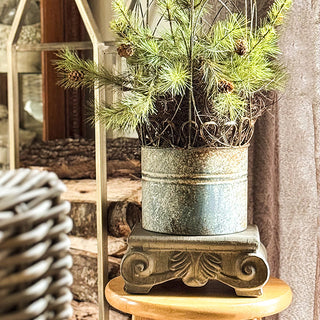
(238, 260)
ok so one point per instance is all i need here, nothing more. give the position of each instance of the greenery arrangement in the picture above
(192, 78)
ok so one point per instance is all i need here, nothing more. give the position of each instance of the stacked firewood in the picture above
(75, 158)
(124, 211)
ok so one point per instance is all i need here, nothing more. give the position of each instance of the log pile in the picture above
(124, 210)
(124, 198)
(84, 269)
(75, 158)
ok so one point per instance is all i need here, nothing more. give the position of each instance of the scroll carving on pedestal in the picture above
(244, 270)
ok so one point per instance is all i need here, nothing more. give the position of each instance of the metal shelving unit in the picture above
(100, 48)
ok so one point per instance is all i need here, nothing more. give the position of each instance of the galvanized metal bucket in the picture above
(198, 191)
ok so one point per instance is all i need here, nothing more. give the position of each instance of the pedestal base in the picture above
(174, 301)
(238, 260)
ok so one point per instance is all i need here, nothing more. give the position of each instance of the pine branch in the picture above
(174, 79)
(119, 7)
(201, 12)
(277, 10)
(230, 105)
(93, 76)
(228, 28)
(170, 22)
(213, 70)
(192, 30)
(127, 114)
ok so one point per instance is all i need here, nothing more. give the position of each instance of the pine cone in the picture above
(125, 50)
(76, 75)
(225, 86)
(241, 47)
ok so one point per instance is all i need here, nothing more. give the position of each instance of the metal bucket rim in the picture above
(245, 146)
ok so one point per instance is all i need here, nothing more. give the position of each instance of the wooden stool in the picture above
(215, 301)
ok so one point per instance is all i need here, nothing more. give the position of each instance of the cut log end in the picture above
(122, 216)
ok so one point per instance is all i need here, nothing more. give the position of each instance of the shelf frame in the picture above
(100, 49)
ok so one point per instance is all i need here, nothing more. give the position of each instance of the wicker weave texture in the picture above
(34, 247)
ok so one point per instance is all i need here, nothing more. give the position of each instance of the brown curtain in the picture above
(285, 167)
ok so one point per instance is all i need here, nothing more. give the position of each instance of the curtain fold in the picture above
(264, 188)
(315, 7)
(284, 173)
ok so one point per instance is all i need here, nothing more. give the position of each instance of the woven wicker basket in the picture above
(35, 261)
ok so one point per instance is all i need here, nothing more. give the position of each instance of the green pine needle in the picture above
(94, 76)
(183, 55)
(230, 105)
(174, 79)
(126, 114)
(278, 11)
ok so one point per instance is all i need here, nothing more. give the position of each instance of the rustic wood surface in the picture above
(116, 246)
(90, 311)
(119, 189)
(52, 30)
(63, 109)
(3, 89)
(124, 198)
(84, 269)
(122, 216)
(75, 158)
(76, 101)
(214, 301)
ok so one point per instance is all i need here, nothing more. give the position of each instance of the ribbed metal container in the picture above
(198, 191)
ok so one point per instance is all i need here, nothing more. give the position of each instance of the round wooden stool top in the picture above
(174, 300)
